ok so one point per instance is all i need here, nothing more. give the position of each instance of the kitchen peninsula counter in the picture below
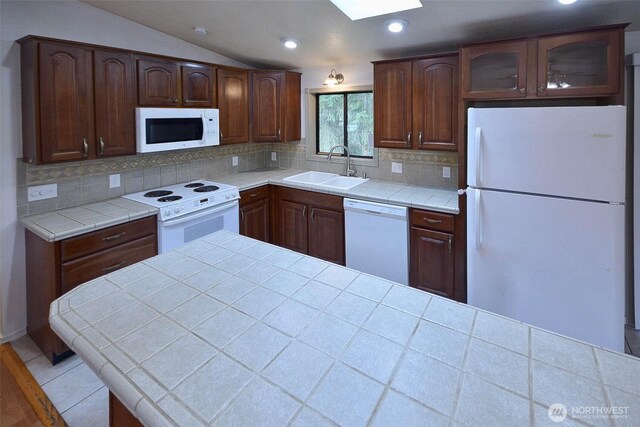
(70, 222)
(228, 330)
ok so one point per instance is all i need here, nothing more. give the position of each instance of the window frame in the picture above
(309, 117)
(345, 110)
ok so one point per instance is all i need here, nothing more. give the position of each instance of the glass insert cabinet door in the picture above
(495, 70)
(579, 64)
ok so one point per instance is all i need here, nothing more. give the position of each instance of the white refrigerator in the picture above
(545, 218)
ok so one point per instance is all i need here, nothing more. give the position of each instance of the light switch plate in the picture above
(234, 161)
(396, 167)
(446, 172)
(114, 180)
(41, 192)
(274, 156)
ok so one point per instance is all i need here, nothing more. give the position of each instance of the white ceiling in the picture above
(249, 31)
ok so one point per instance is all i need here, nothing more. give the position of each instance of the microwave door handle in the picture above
(180, 220)
(204, 127)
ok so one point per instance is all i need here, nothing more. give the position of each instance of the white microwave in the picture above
(165, 129)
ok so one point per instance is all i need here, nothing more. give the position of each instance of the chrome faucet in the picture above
(350, 170)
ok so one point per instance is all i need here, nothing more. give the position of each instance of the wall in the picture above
(69, 20)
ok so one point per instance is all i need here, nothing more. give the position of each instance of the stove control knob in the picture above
(166, 212)
(176, 209)
(227, 196)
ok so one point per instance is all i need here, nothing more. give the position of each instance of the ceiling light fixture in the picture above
(358, 9)
(396, 25)
(567, 1)
(334, 79)
(201, 31)
(290, 43)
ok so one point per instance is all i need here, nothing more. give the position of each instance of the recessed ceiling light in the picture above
(290, 43)
(567, 1)
(201, 31)
(396, 25)
(358, 9)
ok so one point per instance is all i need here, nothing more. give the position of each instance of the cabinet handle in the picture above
(420, 138)
(85, 147)
(113, 267)
(253, 195)
(221, 135)
(523, 90)
(432, 221)
(101, 146)
(313, 213)
(241, 215)
(450, 243)
(114, 237)
(304, 212)
(279, 134)
(409, 137)
(175, 100)
(541, 89)
(187, 100)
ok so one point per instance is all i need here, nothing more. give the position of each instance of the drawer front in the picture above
(250, 196)
(83, 269)
(107, 238)
(433, 220)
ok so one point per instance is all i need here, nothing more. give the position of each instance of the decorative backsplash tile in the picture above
(88, 181)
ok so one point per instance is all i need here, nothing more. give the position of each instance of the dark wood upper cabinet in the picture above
(158, 83)
(198, 86)
(275, 106)
(494, 70)
(580, 64)
(392, 95)
(585, 63)
(415, 103)
(233, 103)
(57, 101)
(114, 82)
(435, 99)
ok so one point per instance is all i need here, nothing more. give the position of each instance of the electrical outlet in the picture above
(274, 156)
(234, 161)
(41, 192)
(114, 180)
(396, 167)
(446, 172)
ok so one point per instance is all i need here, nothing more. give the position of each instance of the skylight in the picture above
(359, 9)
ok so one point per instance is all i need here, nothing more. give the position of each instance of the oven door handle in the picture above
(205, 212)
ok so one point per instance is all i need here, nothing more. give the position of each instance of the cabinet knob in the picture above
(522, 90)
(175, 100)
(187, 100)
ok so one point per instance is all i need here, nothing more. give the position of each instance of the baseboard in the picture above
(12, 337)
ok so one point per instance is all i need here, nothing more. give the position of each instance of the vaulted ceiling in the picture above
(250, 30)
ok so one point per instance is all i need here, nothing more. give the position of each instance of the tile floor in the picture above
(82, 399)
(78, 394)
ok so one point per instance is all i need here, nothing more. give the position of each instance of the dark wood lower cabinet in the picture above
(432, 253)
(119, 415)
(308, 222)
(326, 235)
(255, 213)
(54, 268)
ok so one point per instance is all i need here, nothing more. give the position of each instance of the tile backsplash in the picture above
(88, 181)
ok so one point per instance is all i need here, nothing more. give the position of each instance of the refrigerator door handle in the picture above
(478, 151)
(478, 222)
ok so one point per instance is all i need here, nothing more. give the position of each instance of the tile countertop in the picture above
(231, 331)
(70, 222)
(434, 199)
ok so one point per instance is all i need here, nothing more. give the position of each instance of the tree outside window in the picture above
(345, 119)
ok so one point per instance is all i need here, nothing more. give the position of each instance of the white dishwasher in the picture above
(377, 239)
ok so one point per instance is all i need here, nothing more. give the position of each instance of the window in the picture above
(345, 119)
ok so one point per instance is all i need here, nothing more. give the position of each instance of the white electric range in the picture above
(191, 210)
